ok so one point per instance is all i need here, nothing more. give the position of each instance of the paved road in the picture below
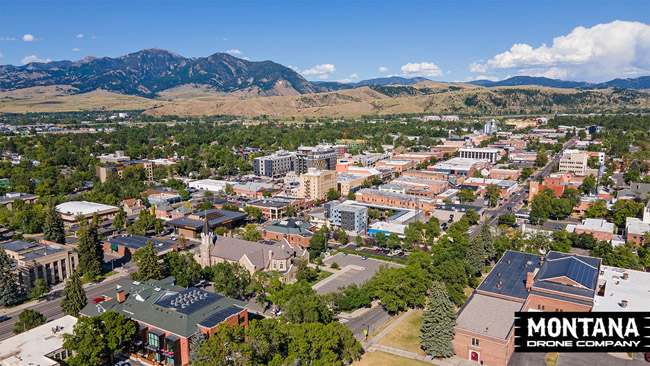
(520, 193)
(51, 309)
(371, 320)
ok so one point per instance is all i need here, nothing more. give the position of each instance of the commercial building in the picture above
(294, 231)
(505, 174)
(557, 182)
(268, 256)
(425, 174)
(319, 157)
(348, 215)
(8, 199)
(506, 187)
(348, 182)
(167, 317)
(452, 212)
(574, 162)
(192, 225)
(211, 185)
(622, 290)
(31, 261)
(132, 206)
(274, 165)
(254, 190)
(522, 282)
(104, 171)
(635, 230)
(491, 155)
(163, 197)
(386, 228)
(458, 166)
(399, 165)
(70, 211)
(276, 206)
(368, 159)
(600, 229)
(118, 157)
(42, 345)
(385, 198)
(316, 183)
(435, 186)
(125, 245)
(523, 157)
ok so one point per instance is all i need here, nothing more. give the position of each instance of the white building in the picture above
(211, 185)
(622, 290)
(574, 162)
(41, 346)
(481, 154)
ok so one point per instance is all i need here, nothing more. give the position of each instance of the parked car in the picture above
(98, 300)
(558, 227)
(364, 257)
(3, 318)
(345, 253)
(122, 363)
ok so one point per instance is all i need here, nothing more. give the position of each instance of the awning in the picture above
(157, 332)
(114, 247)
(172, 338)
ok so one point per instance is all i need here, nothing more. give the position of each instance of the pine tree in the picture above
(53, 227)
(91, 255)
(438, 324)
(74, 296)
(8, 290)
(488, 241)
(475, 255)
(195, 344)
(148, 265)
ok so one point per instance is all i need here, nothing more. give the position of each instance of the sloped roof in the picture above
(257, 253)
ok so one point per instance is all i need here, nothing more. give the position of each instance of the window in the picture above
(242, 319)
(540, 307)
(475, 342)
(154, 340)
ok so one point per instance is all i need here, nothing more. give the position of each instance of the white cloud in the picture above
(604, 51)
(245, 58)
(225, 39)
(294, 68)
(234, 52)
(29, 59)
(93, 37)
(482, 77)
(80, 35)
(321, 69)
(383, 69)
(29, 38)
(426, 69)
(448, 72)
(349, 79)
(323, 77)
(76, 49)
(477, 67)
(1, 55)
(354, 76)
(7, 38)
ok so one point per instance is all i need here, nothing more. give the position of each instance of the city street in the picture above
(370, 320)
(51, 309)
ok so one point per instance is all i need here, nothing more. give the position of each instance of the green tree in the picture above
(438, 324)
(304, 272)
(8, 290)
(475, 255)
(27, 320)
(231, 279)
(251, 233)
(472, 217)
(229, 190)
(39, 289)
(304, 305)
(466, 195)
(381, 239)
(221, 230)
(53, 227)
(526, 172)
(196, 343)
(291, 211)
(183, 267)
(541, 160)
(589, 184)
(90, 251)
(393, 241)
(632, 176)
(318, 243)
(254, 212)
(358, 241)
(507, 219)
(118, 332)
(74, 296)
(352, 196)
(492, 192)
(266, 194)
(597, 209)
(399, 288)
(119, 221)
(148, 265)
(623, 209)
(333, 194)
(185, 195)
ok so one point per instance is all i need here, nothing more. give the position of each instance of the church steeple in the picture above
(207, 242)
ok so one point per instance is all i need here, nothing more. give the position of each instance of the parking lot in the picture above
(354, 269)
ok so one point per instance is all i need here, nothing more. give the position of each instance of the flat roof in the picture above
(473, 316)
(406, 197)
(136, 242)
(513, 267)
(635, 290)
(30, 347)
(84, 208)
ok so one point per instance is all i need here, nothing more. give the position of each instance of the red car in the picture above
(98, 300)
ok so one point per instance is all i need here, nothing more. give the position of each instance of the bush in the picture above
(335, 265)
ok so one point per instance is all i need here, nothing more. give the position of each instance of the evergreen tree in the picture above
(120, 219)
(148, 266)
(53, 226)
(475, 255)
(438, 324)
(198, 340)
(8, 289)
(90, 251)
(74, 296)
(488, 242)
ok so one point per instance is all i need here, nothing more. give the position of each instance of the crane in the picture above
(345, 133)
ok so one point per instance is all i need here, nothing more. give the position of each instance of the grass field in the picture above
(406, 335)
(386, 359)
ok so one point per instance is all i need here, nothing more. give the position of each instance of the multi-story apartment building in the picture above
(347, 215)
(635, 231)
(8, 199)
(481, 154)
(320, 157)
(51, 262)
(274, 165)
(387, 198)
(574, 162)
(104, 171)
(314, 184)
(600, 229)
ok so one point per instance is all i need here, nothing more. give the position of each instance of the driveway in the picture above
(354, 269)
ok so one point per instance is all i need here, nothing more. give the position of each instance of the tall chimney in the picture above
(530, 277)
(121, 296)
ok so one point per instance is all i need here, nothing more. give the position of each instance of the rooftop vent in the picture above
(625, 276)
(499, 274)
(624, 303)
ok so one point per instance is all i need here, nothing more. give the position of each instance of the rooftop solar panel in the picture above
(220, 316)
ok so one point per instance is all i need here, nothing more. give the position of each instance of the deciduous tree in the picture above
(27, 320)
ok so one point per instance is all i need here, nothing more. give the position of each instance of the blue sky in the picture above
(349, 40)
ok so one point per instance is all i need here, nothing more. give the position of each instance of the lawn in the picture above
(386, 359)
(406, 335)
(109, 273)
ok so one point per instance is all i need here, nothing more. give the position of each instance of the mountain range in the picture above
(149, 72)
